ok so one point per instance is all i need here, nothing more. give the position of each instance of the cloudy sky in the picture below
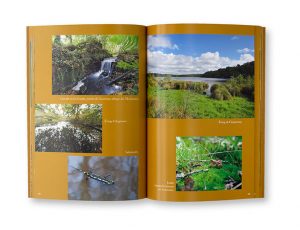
(197, 53)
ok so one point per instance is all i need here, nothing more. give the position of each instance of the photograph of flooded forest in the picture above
(102, 178)
(68, 128)
(208, 163)
(95, 64)
(200, 76)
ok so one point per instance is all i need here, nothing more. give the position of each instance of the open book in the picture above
(166, 112)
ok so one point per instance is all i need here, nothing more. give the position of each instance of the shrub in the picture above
(152, 82)
(248, 91)
(241, 86)
(167, 83)
(234, 89)
(175, 85)
(127, 66)
(220, 92)
(200, 87)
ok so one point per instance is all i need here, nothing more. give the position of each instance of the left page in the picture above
(86, 112)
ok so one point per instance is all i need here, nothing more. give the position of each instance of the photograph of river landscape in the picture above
(68, 128)
(95, 65)
(192, 76)
(102, 178)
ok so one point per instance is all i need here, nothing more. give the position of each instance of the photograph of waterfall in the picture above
(102, 178)
(192, 76)
(95, 65)
(68, 128)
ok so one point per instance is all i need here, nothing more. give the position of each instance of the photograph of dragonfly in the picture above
(102, 178)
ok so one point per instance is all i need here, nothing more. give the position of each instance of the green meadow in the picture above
(178, 99)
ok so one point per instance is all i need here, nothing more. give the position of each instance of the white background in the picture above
(281, 206)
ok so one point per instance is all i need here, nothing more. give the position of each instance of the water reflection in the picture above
(67, 137)
(122, 170)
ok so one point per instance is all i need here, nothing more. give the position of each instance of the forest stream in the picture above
(99, 82)
(66, 136)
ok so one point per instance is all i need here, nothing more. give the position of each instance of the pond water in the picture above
(122, 170)
(209, 81)
(65, 136)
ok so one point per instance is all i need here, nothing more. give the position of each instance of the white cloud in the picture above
(160, 42)
(246, 58)
(159, 62)
(235, 38)
(245, 50)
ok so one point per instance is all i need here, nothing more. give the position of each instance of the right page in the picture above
(205, 112)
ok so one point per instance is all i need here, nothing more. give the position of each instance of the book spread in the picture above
(169, 112)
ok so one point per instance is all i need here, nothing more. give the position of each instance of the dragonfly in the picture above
(91, 175)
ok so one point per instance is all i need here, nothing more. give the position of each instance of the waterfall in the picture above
(106, 67)
(104, 72)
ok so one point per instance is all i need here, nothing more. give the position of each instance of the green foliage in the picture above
(70, 63)
(199, 87)
(167, 83)
(220, 92)
(116, 44)
(85, 114)
(128, 66)
(188, 104)
(199, 153)
(152, 81)
(76, 56)
(241, 86)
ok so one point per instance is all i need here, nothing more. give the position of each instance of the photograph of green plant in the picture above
(194, 76)
(95, 64)
(68, 128)
(208, 163)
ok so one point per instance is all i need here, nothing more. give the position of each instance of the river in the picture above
(209, 81)
(65, 136)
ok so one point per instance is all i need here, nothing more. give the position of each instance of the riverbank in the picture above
(209, 81)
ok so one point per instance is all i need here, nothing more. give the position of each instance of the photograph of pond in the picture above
(68, 128)
(200, 76)
(95, 64)
(102, 178)
(208, 163)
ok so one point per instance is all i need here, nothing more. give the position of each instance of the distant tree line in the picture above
(246, 69)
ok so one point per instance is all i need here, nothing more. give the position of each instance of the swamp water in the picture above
(65, 136)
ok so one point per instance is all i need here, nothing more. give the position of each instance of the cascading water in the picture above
(106, 68)
(92, 80)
